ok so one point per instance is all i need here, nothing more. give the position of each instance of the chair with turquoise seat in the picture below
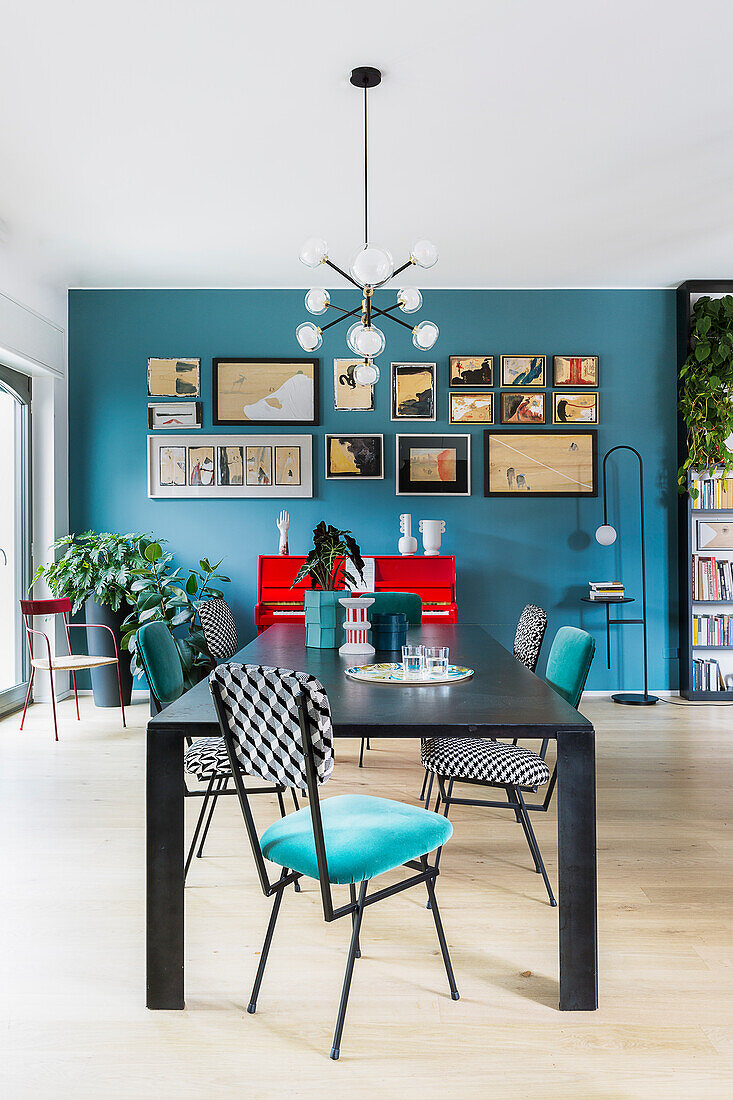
(276, 726)
(488, 763)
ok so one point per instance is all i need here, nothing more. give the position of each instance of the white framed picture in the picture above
(221, 466)
(354, 457)
(168, 416)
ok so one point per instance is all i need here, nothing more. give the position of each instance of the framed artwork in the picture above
(540, 464)
(523, 370)
(470, 408)
(471, 370)
(357, 457)
(177, 414)
(220, 466)
(522, 408)
(259, 465)
(348, 395)
(575, 370)
(434, 465)
(174, 377)
(575, 408)
(265, 391)
(413, 391)
(714, 534)
(229, 465)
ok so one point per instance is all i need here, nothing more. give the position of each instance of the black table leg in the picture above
(576, 828)
(164, 783)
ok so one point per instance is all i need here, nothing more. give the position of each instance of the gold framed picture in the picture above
(523, 370)
(574, 408)
(470, 408)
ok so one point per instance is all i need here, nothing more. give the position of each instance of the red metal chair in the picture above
(69, 663)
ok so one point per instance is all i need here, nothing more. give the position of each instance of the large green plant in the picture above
(706, 388)
(94, 564)
(160, 595)
(327, 564)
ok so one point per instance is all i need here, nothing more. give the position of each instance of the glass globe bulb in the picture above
(309, 336)
(313, 251)
(366, 342)
(409, 299)
(424, 253)
(606, 534)
(425, 334)
(366, 374)
(316, 300)
(372, 266)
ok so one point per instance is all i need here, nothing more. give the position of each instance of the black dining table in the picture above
(502, 700)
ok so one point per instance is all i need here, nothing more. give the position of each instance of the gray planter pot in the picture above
(100, 644)
(324, 619)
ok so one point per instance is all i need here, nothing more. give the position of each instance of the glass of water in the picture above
(436, 661)
(412, 661)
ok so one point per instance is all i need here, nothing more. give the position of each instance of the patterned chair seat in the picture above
(207, 756)
(484, 760)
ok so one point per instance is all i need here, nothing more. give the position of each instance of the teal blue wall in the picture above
(507, 551)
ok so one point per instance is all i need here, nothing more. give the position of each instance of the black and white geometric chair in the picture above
(276, 726)
(220, 629)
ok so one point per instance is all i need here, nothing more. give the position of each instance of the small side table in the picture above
(645, 700)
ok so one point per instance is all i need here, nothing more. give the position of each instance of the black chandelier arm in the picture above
(330, 263)
(406, 264)
(343, 317)
(332, 305)
(383, 313)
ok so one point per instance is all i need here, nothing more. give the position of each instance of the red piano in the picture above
(432, 578)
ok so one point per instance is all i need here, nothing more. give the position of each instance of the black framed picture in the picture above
(541, 464)
(355, 457)
(265, 391)
(471, 370)
(433, 465)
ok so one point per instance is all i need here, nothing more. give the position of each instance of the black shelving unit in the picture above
(687, 515)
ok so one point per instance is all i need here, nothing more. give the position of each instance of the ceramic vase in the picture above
(407, 545)
(431, 530)
(324, 619)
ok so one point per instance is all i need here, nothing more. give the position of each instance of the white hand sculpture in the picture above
(283, 523)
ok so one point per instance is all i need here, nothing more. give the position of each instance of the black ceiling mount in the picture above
(365, 77)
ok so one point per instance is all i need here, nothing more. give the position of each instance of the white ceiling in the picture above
(197, 142)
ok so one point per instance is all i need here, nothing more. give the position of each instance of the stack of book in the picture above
(714, 493)
(712, 579)
(606, 591)
(706, 676)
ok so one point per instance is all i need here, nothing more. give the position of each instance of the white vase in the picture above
(431, 530)
(407, 545)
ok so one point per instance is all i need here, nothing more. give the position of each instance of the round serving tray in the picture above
(392, 674)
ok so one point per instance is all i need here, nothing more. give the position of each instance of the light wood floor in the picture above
(72, 1015)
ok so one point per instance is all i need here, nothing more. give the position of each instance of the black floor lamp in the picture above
(606, 535)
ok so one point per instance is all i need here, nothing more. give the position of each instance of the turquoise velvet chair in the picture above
(161, 663)
(512, 767)
(276, 726)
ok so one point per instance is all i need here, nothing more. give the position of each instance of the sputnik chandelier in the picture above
(372, 267)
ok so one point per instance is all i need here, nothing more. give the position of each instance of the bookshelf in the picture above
(703, 544)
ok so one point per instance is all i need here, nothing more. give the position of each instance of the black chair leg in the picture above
(352, 894)
(508, 791)
(361, 752)
(336, 1048)
(295, 798)
(433, 904)
(429, 791)
(252, 1006)
(512, 794)
(197, 830)
(220, 786)
(534, 846)
(281, 804)
(424, 786)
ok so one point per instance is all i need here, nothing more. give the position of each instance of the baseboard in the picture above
(664, 692)
(139, 695)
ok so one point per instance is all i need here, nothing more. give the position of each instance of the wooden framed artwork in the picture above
(354, 457)
(212, 467)
(413, 391)
(540, 464)
(522, 408)
(575, 370)
(265, 391)
(470, 408)
(471, 370)
(167, 416)
(523, 370)
(174, 377)
(433, 465)
(348, 395)
(574, 408)
(714, 534)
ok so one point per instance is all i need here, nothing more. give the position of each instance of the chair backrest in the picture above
(569, 661)
(61, 606)
(160, 660)
(220, 629)
(529, 634)
(408, 603)
(258, 707)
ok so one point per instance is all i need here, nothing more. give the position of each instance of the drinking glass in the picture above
(412, 661)
(436, 661)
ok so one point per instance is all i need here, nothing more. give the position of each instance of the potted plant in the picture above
(161, 595)
(95, 570)
(705, 388)
(328, 567)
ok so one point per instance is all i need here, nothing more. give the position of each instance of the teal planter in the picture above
(324, 619)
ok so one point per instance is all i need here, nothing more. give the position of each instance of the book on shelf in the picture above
(712, 579)
(706, 675)
(605, 591)
(713, 630)
(714, 493)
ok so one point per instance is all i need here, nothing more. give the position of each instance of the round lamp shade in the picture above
(606, 535)
(366, 374)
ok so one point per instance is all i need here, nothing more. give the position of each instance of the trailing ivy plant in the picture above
(706, 390)
(327, 564)
(100, 565)
(161, 595)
